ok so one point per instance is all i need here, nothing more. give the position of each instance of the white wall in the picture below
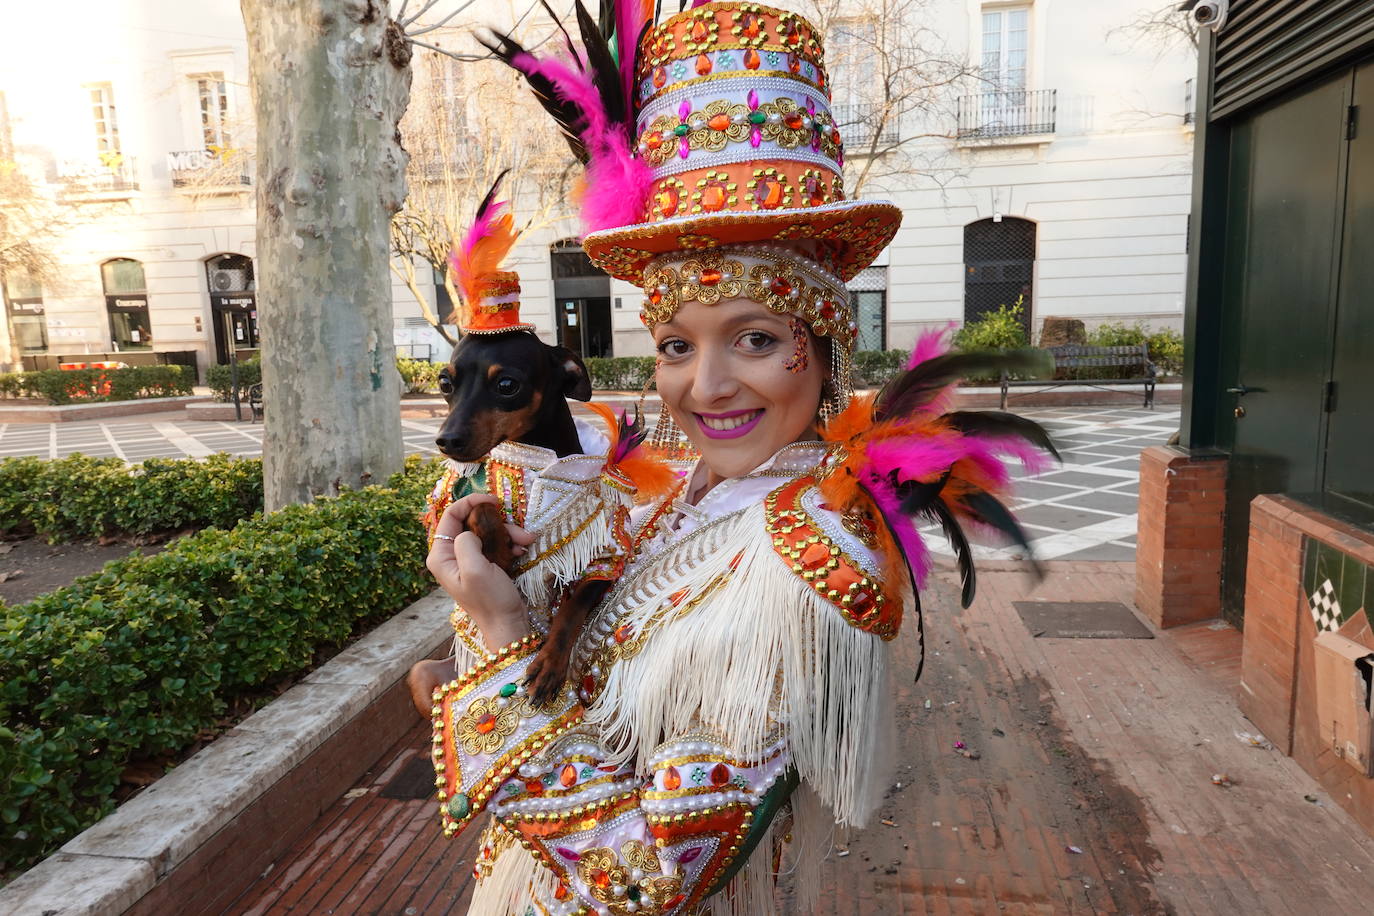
(1109, 190)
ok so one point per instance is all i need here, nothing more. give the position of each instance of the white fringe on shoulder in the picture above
(760, 654)
(516, 879)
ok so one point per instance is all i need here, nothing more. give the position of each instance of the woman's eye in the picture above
(673, 347)
(507, 386)
(445, 385)
(757, 340)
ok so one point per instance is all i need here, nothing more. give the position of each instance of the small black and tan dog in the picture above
(512, 387)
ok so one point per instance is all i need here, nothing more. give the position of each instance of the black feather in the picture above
(911, 577)
(491, 196)
(963, 553)
(567, 39)
(916, 387)
(605, 73)
(1000, 423)
(916, 497)
(987, 509)
(566, 115)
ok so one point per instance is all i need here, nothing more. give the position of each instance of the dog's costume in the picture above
(576, 506)
(730, 692)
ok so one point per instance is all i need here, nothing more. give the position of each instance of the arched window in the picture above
(999, 266)
(126, 300)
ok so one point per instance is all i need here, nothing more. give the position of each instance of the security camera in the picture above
(1209, 14)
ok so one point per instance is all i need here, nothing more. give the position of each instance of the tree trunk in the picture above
(331, 79)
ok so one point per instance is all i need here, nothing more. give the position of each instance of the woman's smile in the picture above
(729, 425)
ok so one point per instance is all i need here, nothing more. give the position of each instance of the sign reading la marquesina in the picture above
(236, 302)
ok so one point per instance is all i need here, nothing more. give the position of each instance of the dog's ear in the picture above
(577, 384)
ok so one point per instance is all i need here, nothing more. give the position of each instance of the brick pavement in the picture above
(1107, 746)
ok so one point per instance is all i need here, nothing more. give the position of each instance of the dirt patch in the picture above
(31, 567)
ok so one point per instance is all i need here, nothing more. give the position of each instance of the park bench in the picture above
(1076, 356)
(255, 401)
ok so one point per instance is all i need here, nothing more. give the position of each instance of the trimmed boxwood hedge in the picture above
(137, 659)
(80, 496)
(71, 386)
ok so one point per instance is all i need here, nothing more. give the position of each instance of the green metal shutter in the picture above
(1268, 46)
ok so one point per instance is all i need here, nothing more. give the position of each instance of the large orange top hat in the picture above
(714, 167)
(490, 296)
(733, 120)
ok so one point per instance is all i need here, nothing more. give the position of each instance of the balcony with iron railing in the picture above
(108, 175)
(858, 124)
(1007, 113)
(210, 170)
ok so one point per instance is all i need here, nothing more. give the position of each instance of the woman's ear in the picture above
(568, 366)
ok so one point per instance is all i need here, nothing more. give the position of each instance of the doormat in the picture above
(1081, 620)
(415, 780)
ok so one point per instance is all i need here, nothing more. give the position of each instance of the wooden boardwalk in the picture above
(1091, 789)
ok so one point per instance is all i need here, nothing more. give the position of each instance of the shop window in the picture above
(24, 308)
(126, 301)
(868, 299)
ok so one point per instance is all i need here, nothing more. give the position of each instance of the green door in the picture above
(1287, 171)
(1350, 439)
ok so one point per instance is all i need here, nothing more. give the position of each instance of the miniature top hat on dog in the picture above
(490, 296)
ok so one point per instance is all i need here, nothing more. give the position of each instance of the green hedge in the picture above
(80, 496)
(60, 386)
(419, 376)
(137, 659)
(219, 378)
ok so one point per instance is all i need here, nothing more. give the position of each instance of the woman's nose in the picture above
(713, 382)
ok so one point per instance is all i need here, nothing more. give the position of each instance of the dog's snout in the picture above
(451, 444)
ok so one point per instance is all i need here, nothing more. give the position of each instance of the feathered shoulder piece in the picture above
(588, 90)
(917, 462)
(631, 461)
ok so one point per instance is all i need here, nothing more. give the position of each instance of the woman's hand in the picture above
(485, 593)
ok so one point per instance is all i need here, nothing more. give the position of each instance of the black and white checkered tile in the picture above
(1326, 610)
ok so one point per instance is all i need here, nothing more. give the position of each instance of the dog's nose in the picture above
(450, 445)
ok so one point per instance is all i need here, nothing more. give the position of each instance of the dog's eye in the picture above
(507, 386)
(445, 385)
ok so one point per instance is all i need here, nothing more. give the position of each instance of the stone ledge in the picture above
(116, 862)
(99, 410)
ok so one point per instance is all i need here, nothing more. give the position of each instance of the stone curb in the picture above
(100, 410)
(114, 863)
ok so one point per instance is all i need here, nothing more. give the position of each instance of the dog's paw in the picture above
(545, 676)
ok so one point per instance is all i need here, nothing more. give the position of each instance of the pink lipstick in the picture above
(731, 432)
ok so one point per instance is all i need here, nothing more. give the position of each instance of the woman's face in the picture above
(741, 380)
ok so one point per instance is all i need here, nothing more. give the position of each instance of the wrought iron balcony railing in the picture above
(101, 174)
(209, 168)
(1007, 113)
(858, 123)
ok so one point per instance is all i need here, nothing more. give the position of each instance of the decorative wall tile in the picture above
(1337, 586)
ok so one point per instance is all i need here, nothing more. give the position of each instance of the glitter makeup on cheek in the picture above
(800, 357)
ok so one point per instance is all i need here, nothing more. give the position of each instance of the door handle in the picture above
(1243, 390)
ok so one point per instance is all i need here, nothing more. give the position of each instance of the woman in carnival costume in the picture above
(729, 696)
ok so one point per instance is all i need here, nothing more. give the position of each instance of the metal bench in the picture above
(1075, 356)
(255, 401)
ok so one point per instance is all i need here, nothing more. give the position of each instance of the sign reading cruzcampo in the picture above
(129, 302)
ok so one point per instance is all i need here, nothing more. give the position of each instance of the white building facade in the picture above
(1059, 173)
